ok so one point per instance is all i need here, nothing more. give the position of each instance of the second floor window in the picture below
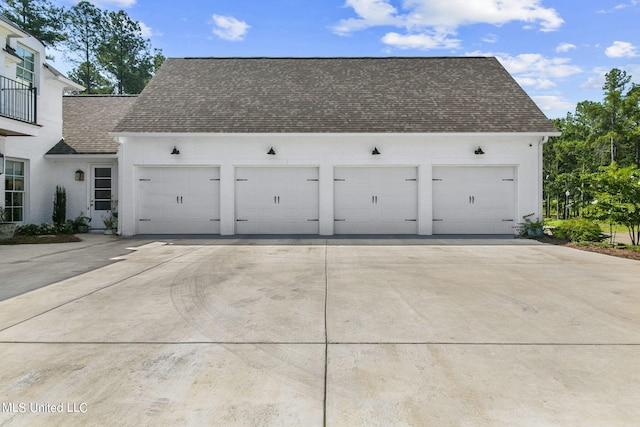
(26, 69)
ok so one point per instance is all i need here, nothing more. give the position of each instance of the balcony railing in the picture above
(18, 101)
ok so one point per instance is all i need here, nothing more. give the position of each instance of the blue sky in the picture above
(558, 50)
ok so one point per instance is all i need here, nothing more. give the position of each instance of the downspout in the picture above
(543, 140)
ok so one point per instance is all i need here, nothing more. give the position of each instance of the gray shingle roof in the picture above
(412, 94)
(87, 119)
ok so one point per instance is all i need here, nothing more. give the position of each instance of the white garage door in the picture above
(277, 200)
(376, 200)
(474, 200)
(178, 200)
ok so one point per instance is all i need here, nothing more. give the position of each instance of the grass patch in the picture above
(34, 240)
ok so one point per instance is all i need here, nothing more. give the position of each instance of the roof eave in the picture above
(125, 134)
(81, 156)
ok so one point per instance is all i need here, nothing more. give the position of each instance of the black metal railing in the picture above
(18, 101)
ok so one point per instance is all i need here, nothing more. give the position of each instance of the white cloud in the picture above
(455, 13)
(533, 69)
(420, 41)
(626, 5)
(229, 28)
(593, 82)
(371, 13)
(596, 81)
(429, 20)
(620, 6)
(565, 47)
(621, 50)
(490, 38)
(552, 102)
(147, 31)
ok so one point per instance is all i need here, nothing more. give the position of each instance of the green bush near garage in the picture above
(579, 230)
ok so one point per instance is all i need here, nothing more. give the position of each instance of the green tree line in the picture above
(107, 49)
(593, 168)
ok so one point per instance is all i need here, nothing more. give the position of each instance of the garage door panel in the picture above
(375, 200)
(473, 200)
(183, 200)
(277, 200)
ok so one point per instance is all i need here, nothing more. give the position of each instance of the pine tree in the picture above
(125, 54)
(84, 30)
(40, 18)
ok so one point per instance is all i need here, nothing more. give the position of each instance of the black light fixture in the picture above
(375, 151)
(479, 151)
(271, 152)
(175, 151)
(79, 175)
(1, 163)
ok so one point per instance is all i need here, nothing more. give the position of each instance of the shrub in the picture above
(80, 224)
(59, 216)
(44, 229)
(28, 230)
(579, 230)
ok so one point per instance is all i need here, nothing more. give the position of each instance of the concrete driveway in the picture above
(328, 332)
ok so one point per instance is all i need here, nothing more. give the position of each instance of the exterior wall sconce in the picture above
(271, 152)
(79, 175)
(479, 151)
(375, 151)
(1, 163)
(175, 151)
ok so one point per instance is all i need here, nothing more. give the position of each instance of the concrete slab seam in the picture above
(326, 333)
(254, 343)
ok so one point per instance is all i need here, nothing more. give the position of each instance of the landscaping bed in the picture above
(618, 250)
(28, 240)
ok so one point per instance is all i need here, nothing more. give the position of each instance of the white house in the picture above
(330, 146)
(30, 124)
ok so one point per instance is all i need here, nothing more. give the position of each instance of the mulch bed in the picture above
(31, 240)
(601, 248)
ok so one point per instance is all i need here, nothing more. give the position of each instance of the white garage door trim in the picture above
(474, 199)
(178, 200)
(376, 200)
(277, 200)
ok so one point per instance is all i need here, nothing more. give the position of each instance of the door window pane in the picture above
(103, 172)
(101, 205)
(18, 184)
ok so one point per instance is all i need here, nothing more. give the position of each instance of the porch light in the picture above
(175, 151)
(375, 151)
(79, 175)
(1, 163)
(271, 152)
(479, 151)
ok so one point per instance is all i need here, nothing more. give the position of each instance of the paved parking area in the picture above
(328, 332)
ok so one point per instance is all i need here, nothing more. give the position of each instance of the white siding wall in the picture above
(327, 151)
(42, 175)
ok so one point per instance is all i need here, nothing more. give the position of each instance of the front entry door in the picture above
(101, 196)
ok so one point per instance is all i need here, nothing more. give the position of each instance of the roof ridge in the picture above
(99, 95)
(331, 57)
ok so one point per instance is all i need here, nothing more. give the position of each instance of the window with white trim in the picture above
(26, 69)
(14, 190)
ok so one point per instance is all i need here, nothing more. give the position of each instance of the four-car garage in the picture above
(365, 199)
